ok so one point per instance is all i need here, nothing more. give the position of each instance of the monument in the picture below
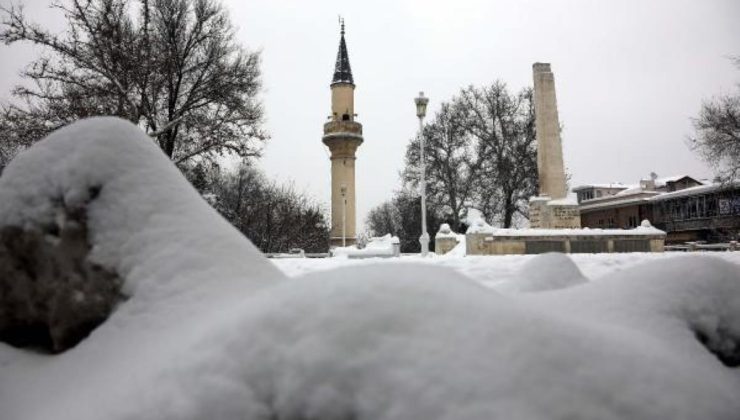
(343, 136)
(555, 223)
(551, 209)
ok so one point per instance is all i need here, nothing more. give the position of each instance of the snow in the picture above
(494, 271)
(476, 222)
(638, 231)
(445, 232)
(612, 185)
(212, 329)
(548, 271)
(638, 189)
(382, 246)
(567, 201)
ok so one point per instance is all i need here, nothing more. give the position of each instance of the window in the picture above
(633, 221)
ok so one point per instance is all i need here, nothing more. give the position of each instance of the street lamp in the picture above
(421, 111)
(343, 191)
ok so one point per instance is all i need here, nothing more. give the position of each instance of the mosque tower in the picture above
(342, 135)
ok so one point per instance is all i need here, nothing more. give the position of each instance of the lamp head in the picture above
(421, 105)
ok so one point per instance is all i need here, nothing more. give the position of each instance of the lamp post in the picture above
(343, 190)
(421, 111)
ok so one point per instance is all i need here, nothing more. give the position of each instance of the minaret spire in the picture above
(342, 70)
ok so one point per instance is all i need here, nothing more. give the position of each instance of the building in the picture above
(685, 208)
(342, 135)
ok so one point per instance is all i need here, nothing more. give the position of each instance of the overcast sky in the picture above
(629, 75)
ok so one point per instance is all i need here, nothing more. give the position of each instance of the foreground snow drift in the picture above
(212, 330)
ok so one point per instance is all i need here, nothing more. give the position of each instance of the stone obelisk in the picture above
(550, 209)
(549, 146)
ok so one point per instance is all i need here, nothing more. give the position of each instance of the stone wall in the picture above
(548, 214)
(488, 244)
(443, 245)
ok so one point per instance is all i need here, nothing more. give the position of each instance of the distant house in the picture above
(686, 208)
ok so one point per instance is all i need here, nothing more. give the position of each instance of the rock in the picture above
(51, 295)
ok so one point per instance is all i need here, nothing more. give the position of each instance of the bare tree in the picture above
(274, 217)
(401, 216)
(384, 219)
(481, 152)
(170, 66)
(504, 126)
(718, 133)
(454, 162)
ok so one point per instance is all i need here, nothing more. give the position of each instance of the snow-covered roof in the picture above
(638, 231)
(612, 185)
(643, 196)
(663, 181)
(699, 189)
(634, 196)
(567, 201)
(659, 183)
(634, 189)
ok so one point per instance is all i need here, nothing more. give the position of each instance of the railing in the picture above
(697, 246)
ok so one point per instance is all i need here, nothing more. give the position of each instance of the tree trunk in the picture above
(508, 209)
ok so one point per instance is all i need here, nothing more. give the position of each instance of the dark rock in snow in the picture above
(51, 295)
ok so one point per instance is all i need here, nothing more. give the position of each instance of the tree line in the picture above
(173, 68)
(275, 217)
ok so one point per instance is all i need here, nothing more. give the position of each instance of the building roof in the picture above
(617, 201)
(697, 190)
(629, 189)
(653, 196)
(662, 182)
(613, 185)
(342, 70)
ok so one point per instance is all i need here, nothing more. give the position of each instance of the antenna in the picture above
(341, 23)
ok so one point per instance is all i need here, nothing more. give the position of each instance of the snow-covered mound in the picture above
(549, 271)
(212, 330)
(181, 263)
(381, 246)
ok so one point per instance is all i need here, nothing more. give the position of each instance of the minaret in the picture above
(343, 136)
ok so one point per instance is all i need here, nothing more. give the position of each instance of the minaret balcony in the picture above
(349, 127)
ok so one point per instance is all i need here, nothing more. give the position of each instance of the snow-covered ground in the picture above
(211, 329)
(499, 269)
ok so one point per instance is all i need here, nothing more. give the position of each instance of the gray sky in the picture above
(629, 74)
